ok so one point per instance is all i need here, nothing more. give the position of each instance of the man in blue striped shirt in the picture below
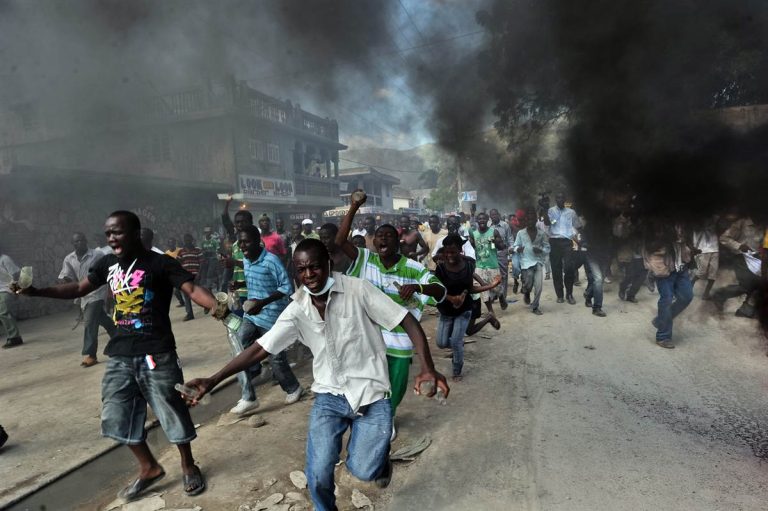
(268, 287)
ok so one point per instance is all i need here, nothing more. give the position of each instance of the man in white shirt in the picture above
(75, 268)
(562, 223)
(339, 318)
(8, 273)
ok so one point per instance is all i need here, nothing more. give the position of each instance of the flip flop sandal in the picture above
(136, 488)
(193, 484)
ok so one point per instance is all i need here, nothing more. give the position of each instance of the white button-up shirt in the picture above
(76, 269)
(350, 356)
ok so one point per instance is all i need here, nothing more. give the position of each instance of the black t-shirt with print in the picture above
(455, 283)
(142, 289)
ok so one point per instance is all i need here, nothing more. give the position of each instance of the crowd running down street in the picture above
(354, 295)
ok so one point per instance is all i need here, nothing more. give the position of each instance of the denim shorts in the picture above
(130, 384)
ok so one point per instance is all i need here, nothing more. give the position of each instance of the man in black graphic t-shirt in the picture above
(143, 367)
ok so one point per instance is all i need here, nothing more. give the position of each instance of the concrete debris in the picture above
(256, 421)
(152, 502)
(294, 496)
(279, 507)
(298, 479)
(299, 507)
(359, 500)
(243, 507)
(409, 452)
(267, 503)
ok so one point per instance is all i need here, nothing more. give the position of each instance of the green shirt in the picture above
(210, 247)
(238, 273)
(368, 266)
(485, 249)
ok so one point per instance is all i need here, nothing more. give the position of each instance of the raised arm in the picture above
(342, 237)
(426, 365)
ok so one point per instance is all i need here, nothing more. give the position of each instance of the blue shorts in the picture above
(130, 384)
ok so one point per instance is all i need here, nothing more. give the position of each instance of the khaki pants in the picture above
(7, 321)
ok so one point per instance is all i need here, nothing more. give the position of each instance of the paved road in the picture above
(571, 412)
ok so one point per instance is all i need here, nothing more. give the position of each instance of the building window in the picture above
(256, 149)
(273, 153)
(156, 147)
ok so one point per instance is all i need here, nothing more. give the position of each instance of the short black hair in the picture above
(247, 214)
(314, 246)
(386, 226)
(330, 226)
(252, 231)
(129, 217)
(434, 216)
(453, 240)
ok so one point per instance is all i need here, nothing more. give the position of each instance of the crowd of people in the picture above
(354, 294)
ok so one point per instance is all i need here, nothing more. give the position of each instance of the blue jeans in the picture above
(367, 449)
(594, 282)
(246, 335)
(515, 265)
(675, 293)
(450, 333)
(130, 384)
(93, 317)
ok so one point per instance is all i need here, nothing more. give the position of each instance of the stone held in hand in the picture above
(298, 479)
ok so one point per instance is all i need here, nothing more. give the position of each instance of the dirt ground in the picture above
(564, 411)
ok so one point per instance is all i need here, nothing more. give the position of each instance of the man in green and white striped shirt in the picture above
(405, 281)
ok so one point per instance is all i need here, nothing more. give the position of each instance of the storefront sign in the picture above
(255, 187)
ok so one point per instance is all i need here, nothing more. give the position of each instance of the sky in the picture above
(362, 62)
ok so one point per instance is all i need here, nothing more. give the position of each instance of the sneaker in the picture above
(13, 342)
(560, 299)
(665, 343)
(394, 432)
(598, 312)
(294, 396)
(607, 280)
(571, 300)
(537, 312)
(244, 406)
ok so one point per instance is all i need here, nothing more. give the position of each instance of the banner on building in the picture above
(468, 196)
(255, 187)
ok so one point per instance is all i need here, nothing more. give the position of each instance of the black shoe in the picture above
(560, 299)
(665, 344)
(745, 311)
(515, 286)
(622, 295)
(527, 298)
(598, 312)
(383, 479)
(188, 318)
(571, 299)
(503, 303)
(12, 342)
(3, 437)
(588, 302)
(632, 299)
(537, 312)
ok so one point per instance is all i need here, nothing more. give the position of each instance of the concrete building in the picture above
(166, 156)
(377, 185)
